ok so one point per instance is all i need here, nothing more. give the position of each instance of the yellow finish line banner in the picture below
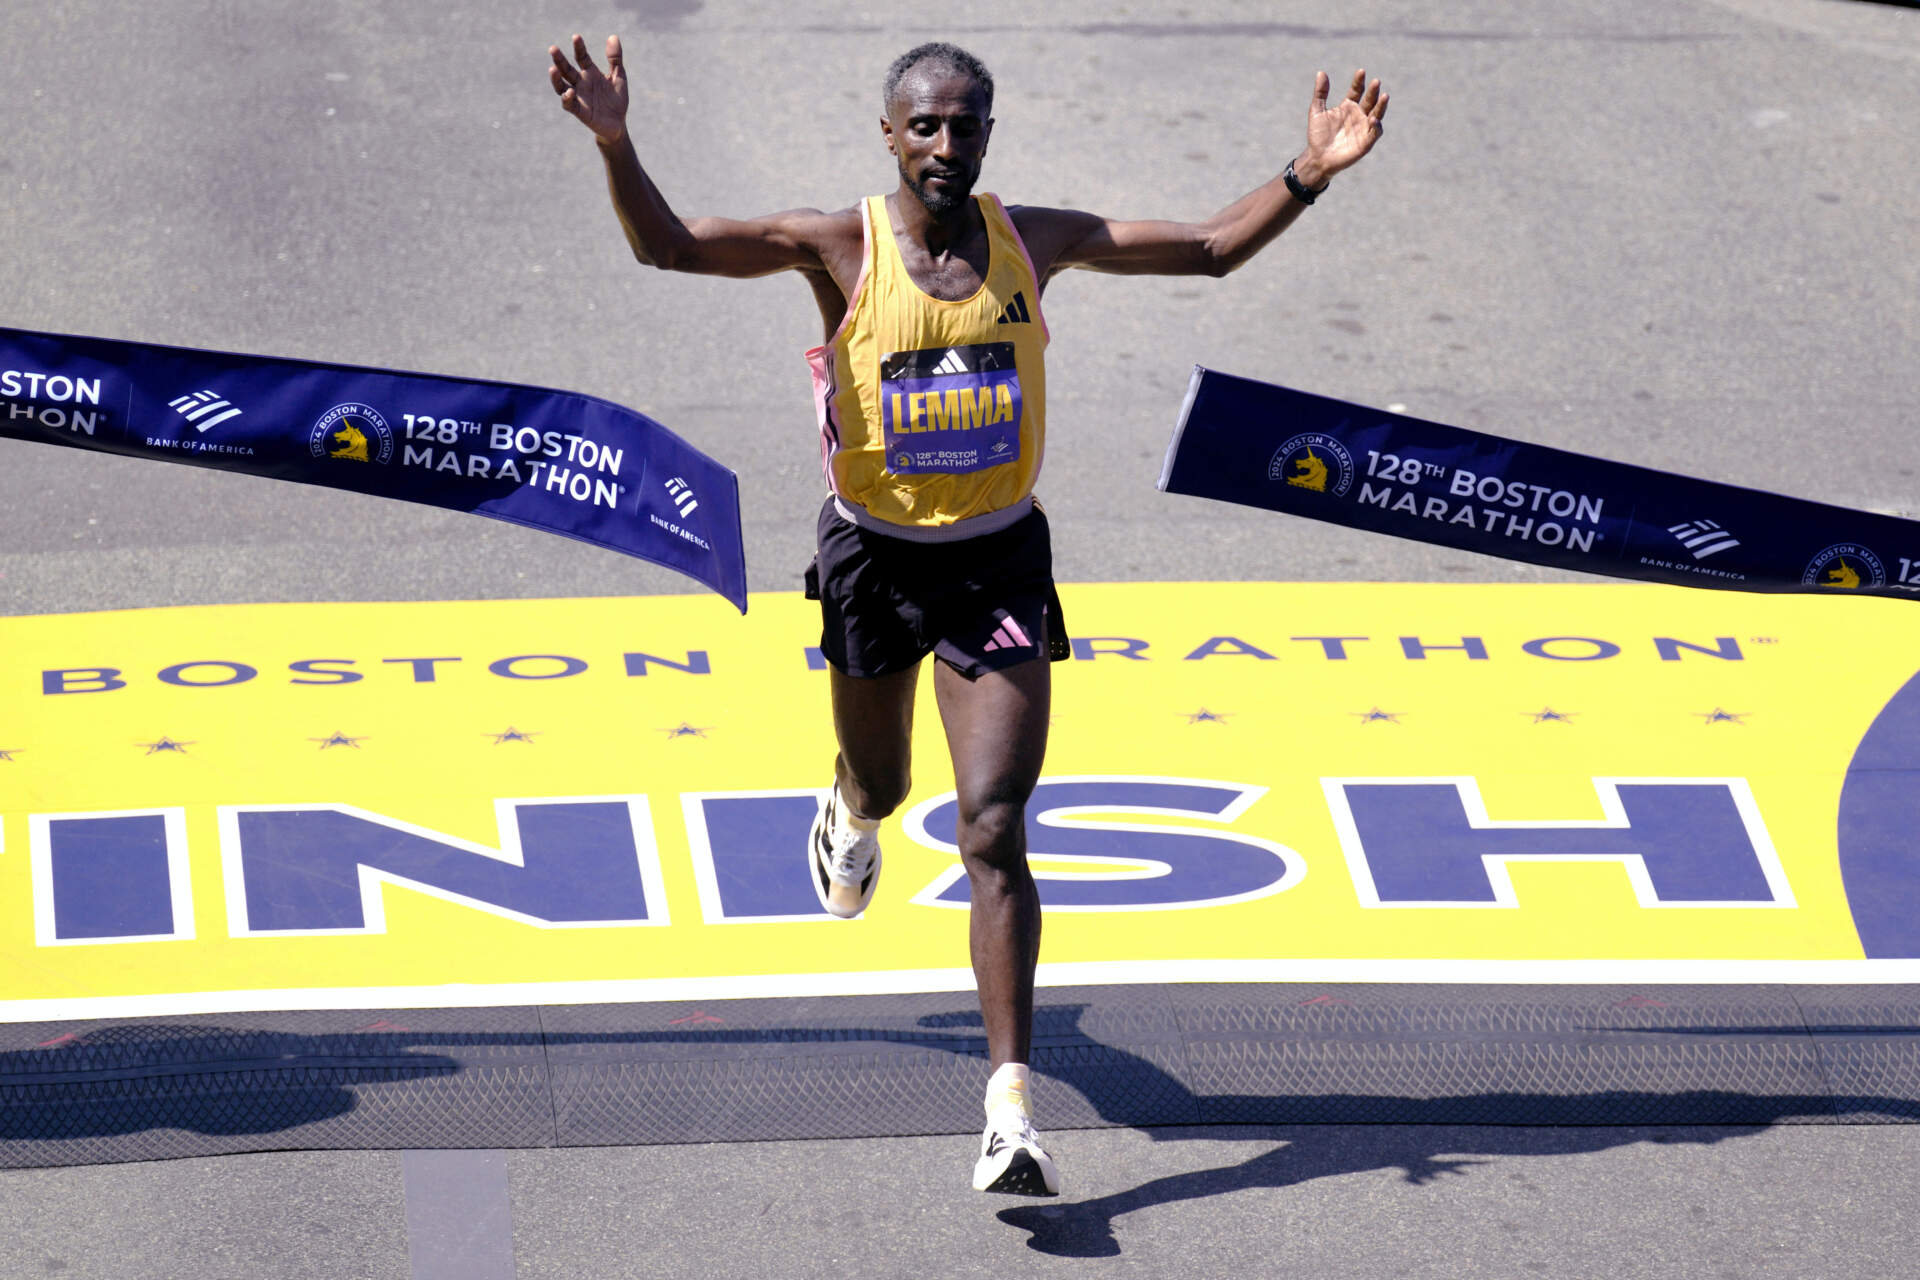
(506, 801)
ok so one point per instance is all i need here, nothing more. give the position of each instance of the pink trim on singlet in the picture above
(1040, 457)
(1038, 284)
(822, 364)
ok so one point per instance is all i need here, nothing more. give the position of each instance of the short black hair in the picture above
(937, 51)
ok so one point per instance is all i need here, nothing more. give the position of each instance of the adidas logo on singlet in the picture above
(950, 363)
(1016, 312)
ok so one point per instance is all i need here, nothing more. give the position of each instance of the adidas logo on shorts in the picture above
(1008, 635)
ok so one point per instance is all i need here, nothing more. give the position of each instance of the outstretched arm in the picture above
(658, 237)
(1337, 137)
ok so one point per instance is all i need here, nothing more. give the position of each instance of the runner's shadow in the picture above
(1422, 1152)
(1424, 1137)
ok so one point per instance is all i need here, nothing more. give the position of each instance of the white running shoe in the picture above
(846, 861)
(1011, 1160)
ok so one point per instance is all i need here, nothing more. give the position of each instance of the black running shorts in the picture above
(978, 604)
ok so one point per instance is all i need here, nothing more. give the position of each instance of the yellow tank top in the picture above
(933, 414)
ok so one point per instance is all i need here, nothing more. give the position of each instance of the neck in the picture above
(938, 234)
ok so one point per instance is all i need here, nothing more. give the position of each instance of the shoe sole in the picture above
(1023, 1176)
(816, 839)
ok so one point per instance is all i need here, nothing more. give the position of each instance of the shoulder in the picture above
(1050, 233)
(830, 242)
(1037, 220)
(819, 228)
(834, 242)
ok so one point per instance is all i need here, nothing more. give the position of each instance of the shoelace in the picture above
(1015, 1125)
(848, 848)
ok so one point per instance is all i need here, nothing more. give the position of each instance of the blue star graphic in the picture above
(165, 744)
(1368, 717)
(511, 735)
(338, 739)
(685, 730)
(1545, 714)
(1204, 716)
(1717, 716)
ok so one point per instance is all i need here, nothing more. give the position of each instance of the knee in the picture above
(876, 793)
(993, 835)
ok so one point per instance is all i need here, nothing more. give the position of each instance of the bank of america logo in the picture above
(682, 494)
(204, 409)
(1703, 538)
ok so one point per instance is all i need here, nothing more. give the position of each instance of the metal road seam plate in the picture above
(751, 1070)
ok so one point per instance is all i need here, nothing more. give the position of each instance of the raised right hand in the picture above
(598, 100)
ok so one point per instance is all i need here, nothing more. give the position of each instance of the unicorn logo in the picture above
(352, 432)
(1314, 461)
(1312, 473)
(350, 442)
(1845, 566)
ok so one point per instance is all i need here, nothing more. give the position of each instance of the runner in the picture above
(931, 399)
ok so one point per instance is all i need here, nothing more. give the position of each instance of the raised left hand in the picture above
(1338, 135)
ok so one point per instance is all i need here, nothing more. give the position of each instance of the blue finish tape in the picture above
(1269, 446)
(555, 460)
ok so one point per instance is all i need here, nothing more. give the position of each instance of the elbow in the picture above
(659, 258)
(1218, 255)
(664, 253)
(1217, 262)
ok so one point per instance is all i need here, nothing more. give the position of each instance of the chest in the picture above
(952, 276)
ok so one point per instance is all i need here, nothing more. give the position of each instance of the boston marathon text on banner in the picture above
(554, 460)
(506, 802)
(1268, 446)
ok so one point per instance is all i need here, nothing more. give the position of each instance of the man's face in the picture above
(937, 128)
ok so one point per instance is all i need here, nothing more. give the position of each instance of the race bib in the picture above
(950, 409)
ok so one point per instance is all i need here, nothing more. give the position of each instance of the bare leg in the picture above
(873, 723)
(997, 734)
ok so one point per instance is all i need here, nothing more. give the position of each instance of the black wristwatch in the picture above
(1301, 191)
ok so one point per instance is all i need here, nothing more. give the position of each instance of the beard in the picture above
(947, 201)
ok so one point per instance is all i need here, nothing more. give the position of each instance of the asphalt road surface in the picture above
(1682, 234)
